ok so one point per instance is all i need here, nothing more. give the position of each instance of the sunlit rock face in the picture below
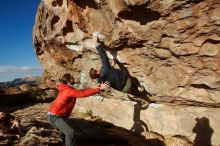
(199, 124)
(171, 47)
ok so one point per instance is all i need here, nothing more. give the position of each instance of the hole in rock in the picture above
(68, 28)
(54, 3)
(201, 86)
(45, 31)
(140, 14)
(37, 46)
(212, 41)
(54, 20)
(60, 3)
(84, 3)
(39, 51)
(197, 1)
(47, 15)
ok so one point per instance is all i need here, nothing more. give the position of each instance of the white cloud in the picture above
(9, 73)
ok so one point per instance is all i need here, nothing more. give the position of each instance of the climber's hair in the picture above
(66, 78)
(93, 73)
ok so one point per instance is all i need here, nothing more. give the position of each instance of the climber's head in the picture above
(94, 73)
(67, 79)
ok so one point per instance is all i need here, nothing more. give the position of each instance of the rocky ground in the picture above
(29, 99)
(92, 131)
(29, 102)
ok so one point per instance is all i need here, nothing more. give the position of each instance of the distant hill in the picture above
(26, 80)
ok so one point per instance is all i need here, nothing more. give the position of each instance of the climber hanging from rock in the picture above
(119, 79)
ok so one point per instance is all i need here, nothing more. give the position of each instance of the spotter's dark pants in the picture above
(64, 126)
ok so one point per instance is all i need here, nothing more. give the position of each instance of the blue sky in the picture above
(17, 56)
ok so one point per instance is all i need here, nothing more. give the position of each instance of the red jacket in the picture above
(66, 99)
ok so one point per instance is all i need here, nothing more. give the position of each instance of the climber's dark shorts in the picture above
(127, 87)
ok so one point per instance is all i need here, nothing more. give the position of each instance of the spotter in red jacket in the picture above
(66, 99)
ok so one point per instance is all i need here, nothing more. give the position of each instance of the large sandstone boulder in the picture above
(173, 121)
(170, 47)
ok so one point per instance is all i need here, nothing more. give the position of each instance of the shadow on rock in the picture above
(203, 132)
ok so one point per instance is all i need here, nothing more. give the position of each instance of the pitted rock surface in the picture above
(170, 47)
